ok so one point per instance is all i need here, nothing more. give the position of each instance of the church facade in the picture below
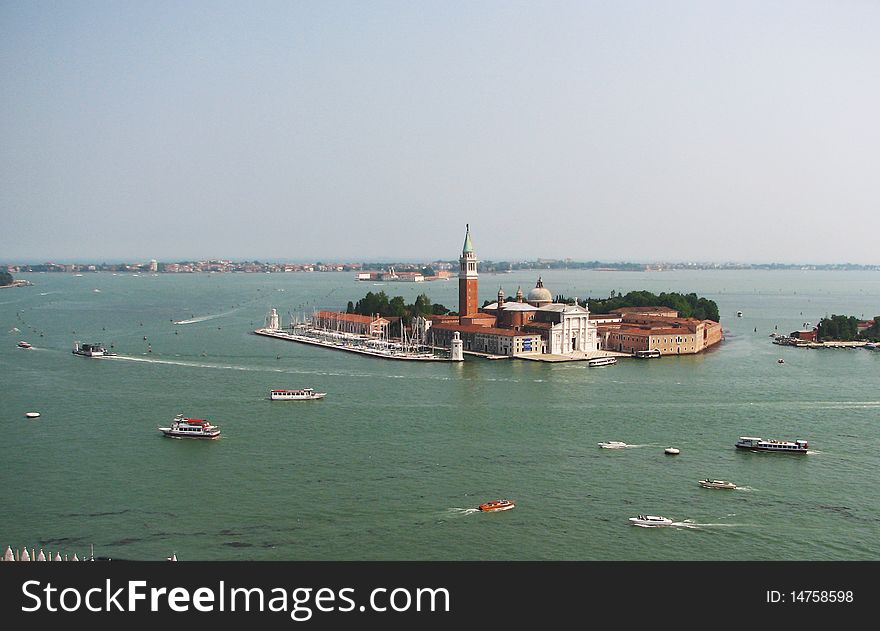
(528, 325)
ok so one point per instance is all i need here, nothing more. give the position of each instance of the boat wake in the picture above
(204, 318)
(843, 405)
(192, 364)
(461, 512)
(745, 488)
(690, 523)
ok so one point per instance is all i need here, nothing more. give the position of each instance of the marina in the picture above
(353, 344)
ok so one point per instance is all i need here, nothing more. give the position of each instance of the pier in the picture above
(353, 344)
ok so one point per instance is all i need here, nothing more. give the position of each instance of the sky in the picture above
(326, 130)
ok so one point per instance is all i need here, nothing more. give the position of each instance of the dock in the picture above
(575, 356)
(354, 344)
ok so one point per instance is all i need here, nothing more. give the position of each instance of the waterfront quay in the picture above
(570, 357)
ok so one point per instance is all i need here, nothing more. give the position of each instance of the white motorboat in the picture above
(650, 521)
(613, 444)
(32, 414)
(672, 451)
(601, 361)
(717, 484)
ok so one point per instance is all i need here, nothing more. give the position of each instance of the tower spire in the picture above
(467, 277)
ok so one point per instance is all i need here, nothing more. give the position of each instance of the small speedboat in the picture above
(24, 344)
(32, 414)
(672, 451)
(780, 361)
(650, 520)
(497, 505)
(717, 484)
(613, 444)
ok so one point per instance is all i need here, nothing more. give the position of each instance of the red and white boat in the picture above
(183, 427)
(24, 344)
(497, 505)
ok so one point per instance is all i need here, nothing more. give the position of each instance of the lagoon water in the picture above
(392, 463)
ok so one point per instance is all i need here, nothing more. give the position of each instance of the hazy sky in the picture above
(641, 131)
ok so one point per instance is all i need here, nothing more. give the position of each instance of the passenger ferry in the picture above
(497, 505)
(602, 361)
(91, 350)
(785, 446)
(183, 427)
(303, 394)
(647, 354)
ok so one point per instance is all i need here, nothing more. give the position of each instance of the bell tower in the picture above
(467, 278)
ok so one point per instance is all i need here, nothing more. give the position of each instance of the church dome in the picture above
(539, 295)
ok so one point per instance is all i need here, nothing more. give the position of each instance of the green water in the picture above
(392, 463)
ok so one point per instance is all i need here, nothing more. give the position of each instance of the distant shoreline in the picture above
(282, 268)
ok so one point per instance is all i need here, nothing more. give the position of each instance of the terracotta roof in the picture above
(475, 328)
(641, 309)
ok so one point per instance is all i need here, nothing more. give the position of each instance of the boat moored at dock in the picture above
(303, 394)
(783, 446)
(649, 354)
(183, 427)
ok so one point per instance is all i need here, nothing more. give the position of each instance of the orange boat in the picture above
(497, 505)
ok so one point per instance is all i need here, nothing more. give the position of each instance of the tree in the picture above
(839, 328)
(422, 305)
(5, 278)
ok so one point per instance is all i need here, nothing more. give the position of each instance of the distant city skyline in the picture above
(343, 131)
